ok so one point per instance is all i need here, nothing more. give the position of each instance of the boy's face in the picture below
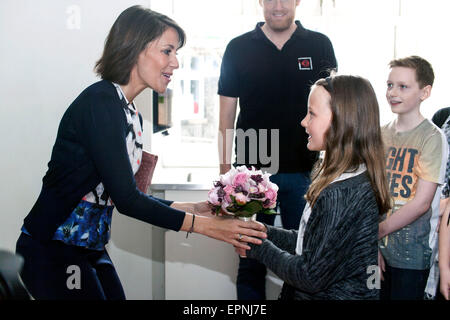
(403, 93)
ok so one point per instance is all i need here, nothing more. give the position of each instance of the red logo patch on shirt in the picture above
(305, 63)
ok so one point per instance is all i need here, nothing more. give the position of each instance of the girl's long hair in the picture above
(353, 138)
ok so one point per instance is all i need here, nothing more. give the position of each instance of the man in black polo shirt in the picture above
(270, 71)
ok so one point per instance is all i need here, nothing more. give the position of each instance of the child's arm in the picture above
(411, 211)
(444, 252)
(339, 244)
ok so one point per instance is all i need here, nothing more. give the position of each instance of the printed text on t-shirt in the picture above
(399, 169)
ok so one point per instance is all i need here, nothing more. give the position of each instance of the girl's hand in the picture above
(445, 283)
(381, 264)
(241, 252)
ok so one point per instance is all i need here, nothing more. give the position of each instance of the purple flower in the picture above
(257, 178)
(221, 193)
(256, 195)
(219, 184)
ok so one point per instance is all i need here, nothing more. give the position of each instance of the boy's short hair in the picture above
(424, 70)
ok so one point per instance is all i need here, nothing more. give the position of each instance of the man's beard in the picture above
(280, 26)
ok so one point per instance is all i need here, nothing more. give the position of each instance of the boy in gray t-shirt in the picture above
(416, 155)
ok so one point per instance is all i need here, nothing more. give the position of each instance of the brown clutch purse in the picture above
(144, 175)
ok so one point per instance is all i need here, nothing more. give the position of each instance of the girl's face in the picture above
(318, 118)
(157, 62)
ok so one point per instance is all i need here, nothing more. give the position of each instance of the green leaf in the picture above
(245, 214)
(269, 211)
(233, 208)
(252, 207)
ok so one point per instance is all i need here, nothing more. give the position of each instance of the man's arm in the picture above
(228, 107)
(411, 211)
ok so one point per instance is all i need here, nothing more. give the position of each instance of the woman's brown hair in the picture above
(130, 34)
(353, 138)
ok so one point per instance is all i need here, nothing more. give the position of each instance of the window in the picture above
(189, 152)
(365, 34)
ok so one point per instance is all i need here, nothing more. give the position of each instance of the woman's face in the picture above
(318, 118)
(157, 61)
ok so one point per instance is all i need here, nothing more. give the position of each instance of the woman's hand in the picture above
(234, 231)
(242, 252)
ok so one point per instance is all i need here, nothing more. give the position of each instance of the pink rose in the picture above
(227, 178)
(261, 187)
(213, 198)
(240, 198)
(240, 179)
(225, 205)
(272, 186)
(271, 195)
(229, 190)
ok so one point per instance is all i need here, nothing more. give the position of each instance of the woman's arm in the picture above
(101, 126)
(226, 229)
(202, 208)
(104, 138)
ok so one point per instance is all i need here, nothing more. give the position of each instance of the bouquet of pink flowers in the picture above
(242, 192)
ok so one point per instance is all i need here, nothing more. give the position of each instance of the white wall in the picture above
(47, 54)
(201, 268)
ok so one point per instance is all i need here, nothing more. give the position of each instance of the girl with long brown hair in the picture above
(333, 255)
